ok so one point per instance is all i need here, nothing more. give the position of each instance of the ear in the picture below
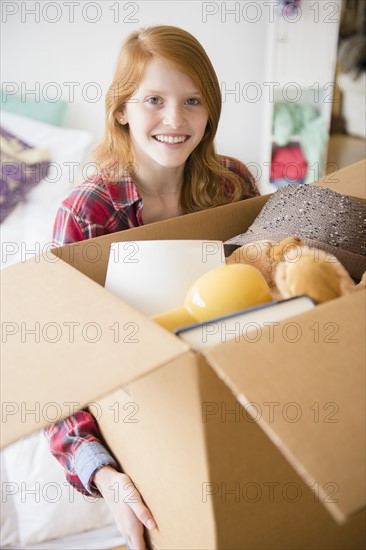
(121, 117)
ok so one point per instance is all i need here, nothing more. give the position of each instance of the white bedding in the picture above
(97, 539)
(28, 229)
(39, 509)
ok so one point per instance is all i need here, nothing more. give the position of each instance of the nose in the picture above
(174, 116)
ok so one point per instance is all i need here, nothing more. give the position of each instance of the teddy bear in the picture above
(292, 268)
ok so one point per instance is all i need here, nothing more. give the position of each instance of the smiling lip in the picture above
(171, 139)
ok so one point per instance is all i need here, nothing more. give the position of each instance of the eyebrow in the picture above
(157, 92)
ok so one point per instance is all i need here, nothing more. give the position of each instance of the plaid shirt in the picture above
(76, 443)
(96, 208)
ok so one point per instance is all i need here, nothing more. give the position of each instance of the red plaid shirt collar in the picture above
(108, 202)
(124, 192)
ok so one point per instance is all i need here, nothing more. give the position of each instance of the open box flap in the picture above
(303, 381)
(190, 226)
(349, 180)
(67, 341)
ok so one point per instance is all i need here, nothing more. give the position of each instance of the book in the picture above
(246, 323)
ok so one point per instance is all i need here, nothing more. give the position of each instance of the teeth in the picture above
(170, 139)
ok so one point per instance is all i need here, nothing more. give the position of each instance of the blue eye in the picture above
(154, 100)
(193, 101)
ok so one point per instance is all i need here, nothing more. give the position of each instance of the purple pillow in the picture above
(22, 167)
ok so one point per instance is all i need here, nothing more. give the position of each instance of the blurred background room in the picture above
(292, 74)
(348, 122)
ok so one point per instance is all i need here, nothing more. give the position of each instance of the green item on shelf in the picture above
(302, 123)
(313, 141)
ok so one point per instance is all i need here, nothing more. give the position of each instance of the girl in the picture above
(157, 160)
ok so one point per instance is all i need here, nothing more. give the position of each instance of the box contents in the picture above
(242, 323)
(220, 291)
(154, 276)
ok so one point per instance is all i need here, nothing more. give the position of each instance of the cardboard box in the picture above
(251, 444)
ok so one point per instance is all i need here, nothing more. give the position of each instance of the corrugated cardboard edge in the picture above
(181, 227)
(354, 187)
(83, 303)
(217, 358)
(159, 437)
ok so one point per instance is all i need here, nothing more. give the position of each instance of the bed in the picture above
(40, 510)
(27, 229)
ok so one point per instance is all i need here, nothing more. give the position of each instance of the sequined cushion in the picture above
(22, 167)
(322, 218)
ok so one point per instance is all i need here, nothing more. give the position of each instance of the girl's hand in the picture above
(126, 505)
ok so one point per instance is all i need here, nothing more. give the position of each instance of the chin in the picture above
(172, 163)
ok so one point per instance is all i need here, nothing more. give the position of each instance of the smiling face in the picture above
(166, 117)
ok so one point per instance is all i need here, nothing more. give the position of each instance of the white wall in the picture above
(83, 52)
(74, 49)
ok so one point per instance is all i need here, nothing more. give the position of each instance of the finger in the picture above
(134, 500)
(137, 542)
(146, 517)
